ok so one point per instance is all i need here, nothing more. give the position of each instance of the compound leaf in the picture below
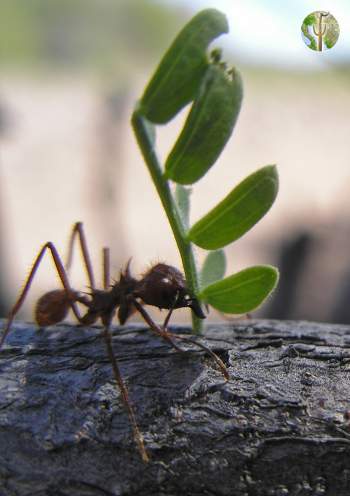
(213, 269)
(242, 292)
(183, 202)
(238, 212)
(179, 74)
(208, 127)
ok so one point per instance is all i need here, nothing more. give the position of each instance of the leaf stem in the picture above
(144, 139)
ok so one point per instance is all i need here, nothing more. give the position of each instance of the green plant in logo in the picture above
(186, 74)
(320, 31)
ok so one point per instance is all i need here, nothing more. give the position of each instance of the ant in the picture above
(162, 286)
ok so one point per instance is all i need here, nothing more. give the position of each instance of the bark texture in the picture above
(279, 427)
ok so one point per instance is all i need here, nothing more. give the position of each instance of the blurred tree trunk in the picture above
(106, 173)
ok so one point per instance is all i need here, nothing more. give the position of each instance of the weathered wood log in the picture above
(279, 427)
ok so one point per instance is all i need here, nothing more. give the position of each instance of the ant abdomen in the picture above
(52, 307)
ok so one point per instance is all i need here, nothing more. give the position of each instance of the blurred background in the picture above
(71, 71)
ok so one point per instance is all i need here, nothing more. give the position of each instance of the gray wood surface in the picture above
(279, 427)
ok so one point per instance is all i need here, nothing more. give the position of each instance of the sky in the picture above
(267, 32)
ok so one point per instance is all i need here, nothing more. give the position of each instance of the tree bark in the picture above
(279, 427)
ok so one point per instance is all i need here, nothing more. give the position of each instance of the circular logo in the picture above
(320, 31)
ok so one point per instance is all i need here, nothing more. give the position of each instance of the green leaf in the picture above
(208, 127)
(179, 74)
(241, 292)
(213, 269)
(183, 202)
(238, 212)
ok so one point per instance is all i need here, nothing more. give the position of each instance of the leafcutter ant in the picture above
(162, 286)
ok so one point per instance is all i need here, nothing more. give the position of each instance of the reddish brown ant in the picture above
(163, 286)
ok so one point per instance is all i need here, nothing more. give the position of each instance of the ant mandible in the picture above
(163, 286)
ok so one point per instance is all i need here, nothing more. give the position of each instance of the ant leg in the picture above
(78, 230)
(169, 314)
(124, 392)
(162, 332)
(165, 335)
(153, 326)
(106, 268)
(207, 350)
(63, 277)
(167, 318)
(200, 345)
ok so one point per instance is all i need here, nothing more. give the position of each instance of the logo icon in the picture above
(320, 31)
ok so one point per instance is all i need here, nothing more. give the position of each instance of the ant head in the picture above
(190, 301)
(164, 286)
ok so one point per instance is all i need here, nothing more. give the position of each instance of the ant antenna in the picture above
(78, 231)
(106, 267)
